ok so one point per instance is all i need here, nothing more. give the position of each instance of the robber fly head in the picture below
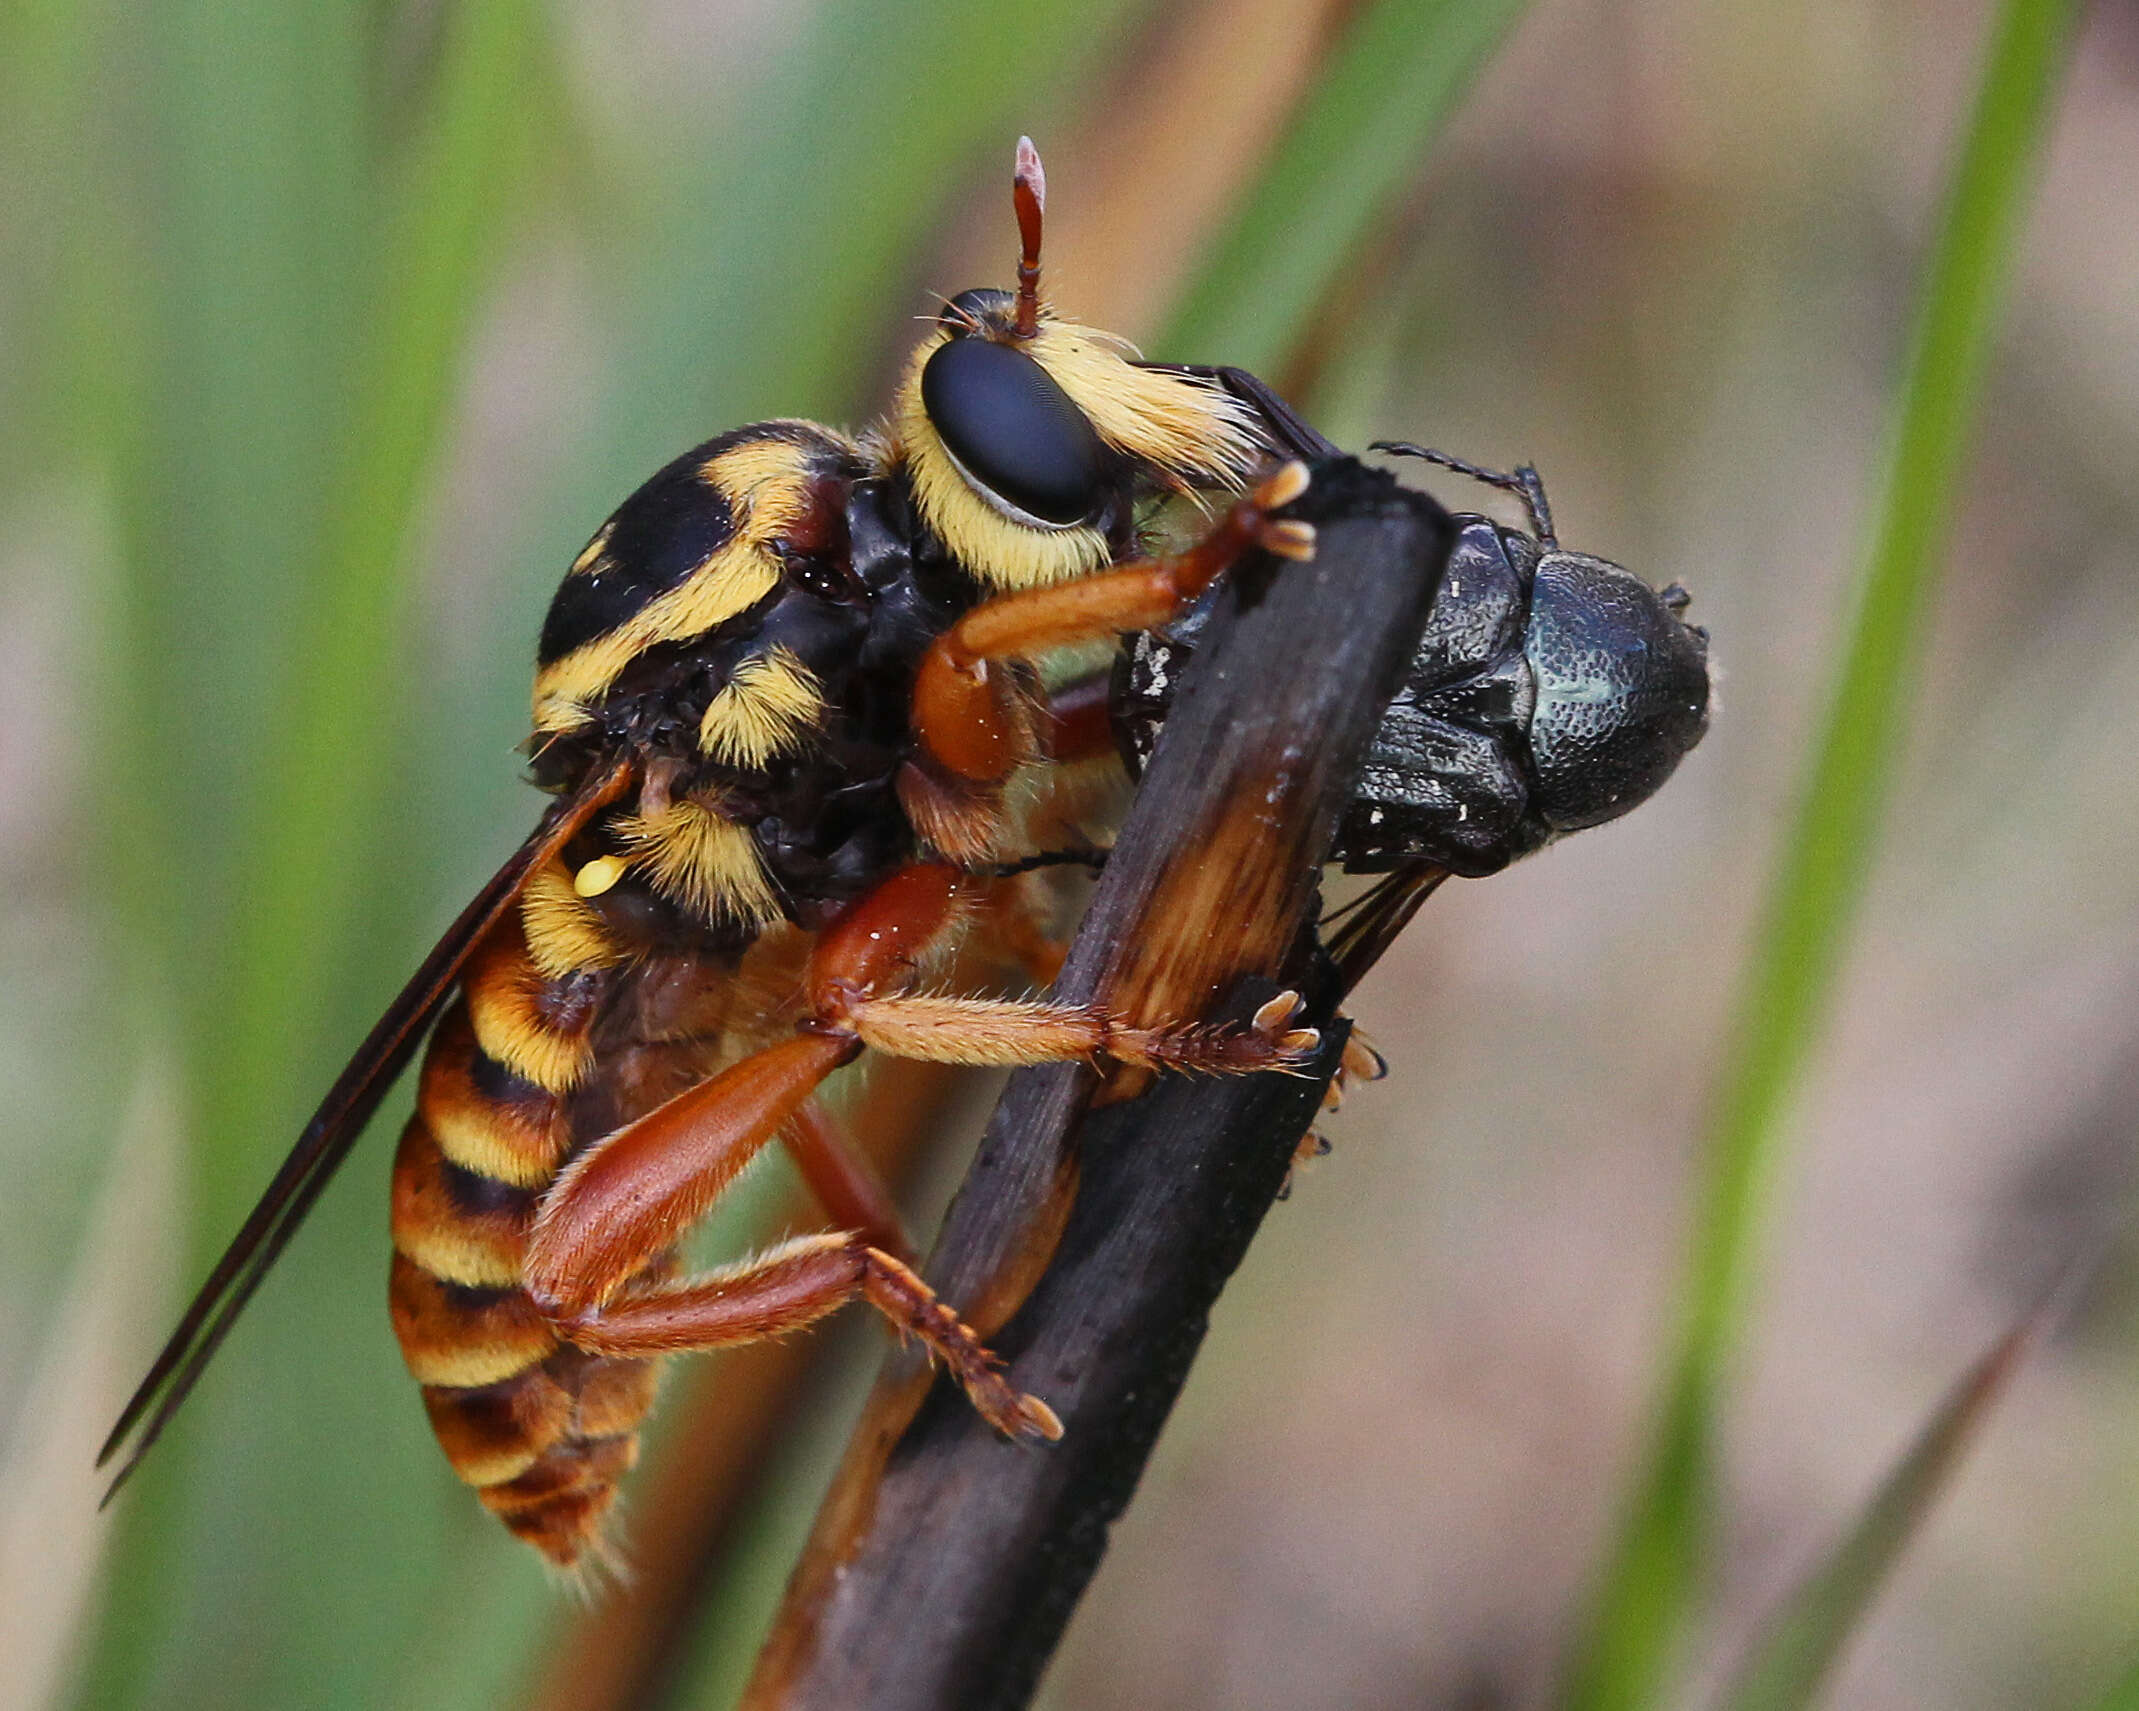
(1029, 439)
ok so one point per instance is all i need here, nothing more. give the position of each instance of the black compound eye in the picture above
(1015, 431)
(966, 312)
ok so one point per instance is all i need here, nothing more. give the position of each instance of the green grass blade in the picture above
(293, 428)
(2124, 1696)
(306, 875)
(797, 325)
(248, 226)
(1354, 144)
(1794, 1656)
(1652, 1578)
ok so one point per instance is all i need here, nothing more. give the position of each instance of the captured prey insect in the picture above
(1551, 691)
(782, 698)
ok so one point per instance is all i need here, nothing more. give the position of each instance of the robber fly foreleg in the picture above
(972, 726)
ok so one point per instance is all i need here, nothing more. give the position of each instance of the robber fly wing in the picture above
(333, 1130)
(1293, 433)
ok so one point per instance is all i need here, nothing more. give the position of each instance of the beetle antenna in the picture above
(1525, 483)
(1532, 487)
(1028, 189)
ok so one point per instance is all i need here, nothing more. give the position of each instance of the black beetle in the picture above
(1551, 691)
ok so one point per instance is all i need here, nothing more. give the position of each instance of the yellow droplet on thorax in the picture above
(598, 875)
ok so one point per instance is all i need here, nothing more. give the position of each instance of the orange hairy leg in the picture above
(1007, 1033)
(796, 1284)
(616, 1209)
(628, 1197)
(966, 712)
(879, 942)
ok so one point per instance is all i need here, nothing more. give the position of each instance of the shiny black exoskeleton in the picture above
(1551, 691)
(825, 819)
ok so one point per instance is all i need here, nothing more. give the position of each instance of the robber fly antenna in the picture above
(1028, 189)
(1525, 483)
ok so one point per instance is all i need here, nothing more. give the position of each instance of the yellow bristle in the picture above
(1186, 428)
(507, 1030)
(701, 859)
(457, 1343)
(505, 1008)
(474, 1137)
(564, 931)
(768, 708)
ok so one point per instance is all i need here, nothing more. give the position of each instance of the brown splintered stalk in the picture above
(1100, 1220)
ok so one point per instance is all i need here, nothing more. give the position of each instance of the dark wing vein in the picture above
(1295, 434)
(1369, 924)
(333, 1130)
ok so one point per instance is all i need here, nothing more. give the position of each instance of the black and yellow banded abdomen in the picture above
(542, 1430)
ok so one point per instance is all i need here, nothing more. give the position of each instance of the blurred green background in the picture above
(327, 334)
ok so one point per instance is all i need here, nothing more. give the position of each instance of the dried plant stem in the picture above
(1091, 1238)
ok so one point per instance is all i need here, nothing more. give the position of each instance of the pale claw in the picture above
(1273, 1022)
(1361, 1059)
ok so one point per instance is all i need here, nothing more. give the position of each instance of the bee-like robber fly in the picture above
(780, 699)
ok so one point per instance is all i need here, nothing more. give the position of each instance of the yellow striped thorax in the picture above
(694, 548)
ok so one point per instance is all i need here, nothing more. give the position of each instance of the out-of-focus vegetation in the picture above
(331, 331)
(1789, 985)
